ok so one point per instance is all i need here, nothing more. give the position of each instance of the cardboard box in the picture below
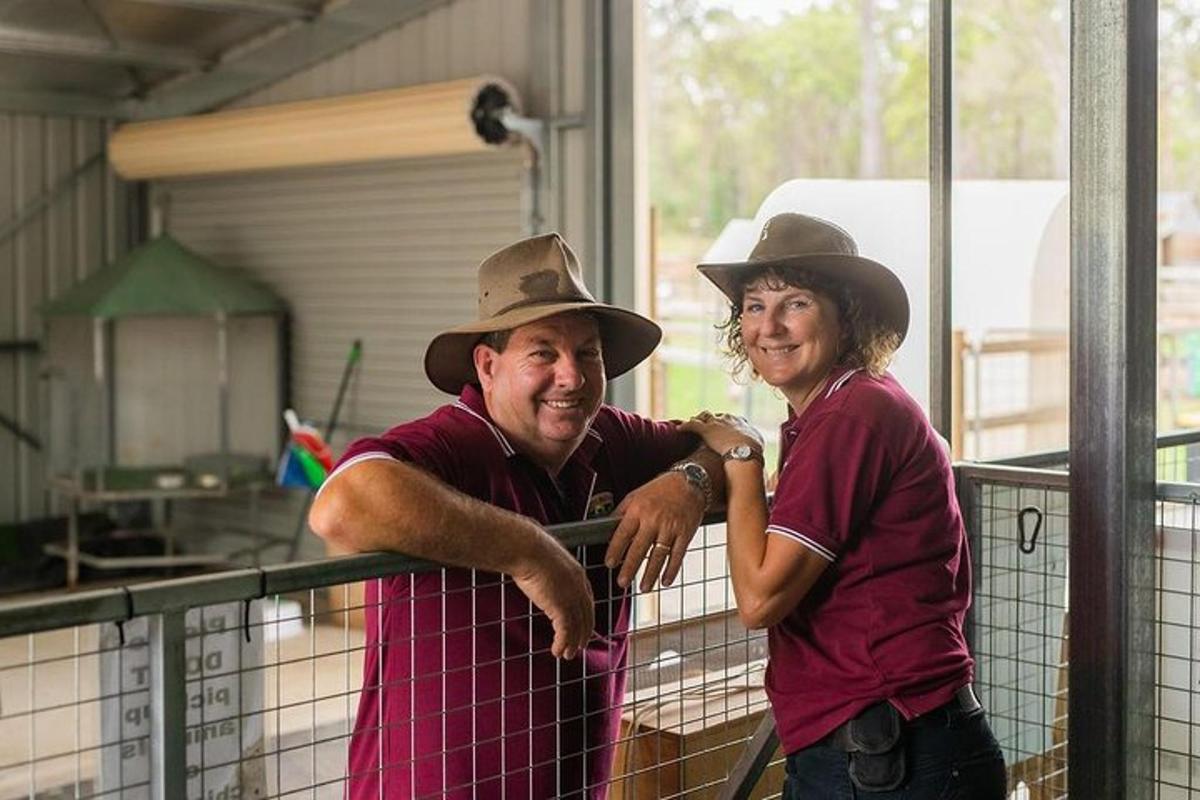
(683, 738)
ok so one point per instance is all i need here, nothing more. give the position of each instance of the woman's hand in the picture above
(722, 431)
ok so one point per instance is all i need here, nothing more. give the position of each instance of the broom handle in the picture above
(330, 426)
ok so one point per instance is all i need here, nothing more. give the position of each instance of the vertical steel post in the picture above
(1113, 274)
(168, 706)
(941, 69)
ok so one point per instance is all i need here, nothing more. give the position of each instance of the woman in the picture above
(860, 569)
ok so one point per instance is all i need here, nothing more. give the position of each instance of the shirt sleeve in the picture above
(643, 448)
(413, 442)
(832, 480)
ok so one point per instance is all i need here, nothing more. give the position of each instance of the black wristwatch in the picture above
(697, 477)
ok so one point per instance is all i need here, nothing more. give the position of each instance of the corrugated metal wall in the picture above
(78, 233)
(387, 252)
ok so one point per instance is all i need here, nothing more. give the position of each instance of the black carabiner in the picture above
(1027, 545)
(262, 592)
(120, 623)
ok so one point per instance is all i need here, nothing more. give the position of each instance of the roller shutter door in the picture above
(385, 252)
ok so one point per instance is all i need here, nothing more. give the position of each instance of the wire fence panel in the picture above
(1177, 743)
(1020, 624)
(220, 688)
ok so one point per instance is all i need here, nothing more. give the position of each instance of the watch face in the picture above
(741, 452)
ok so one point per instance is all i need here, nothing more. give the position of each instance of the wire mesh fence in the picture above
(1018, 523)
(251, 684)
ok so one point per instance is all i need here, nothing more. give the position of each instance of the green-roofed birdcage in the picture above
(164, 363)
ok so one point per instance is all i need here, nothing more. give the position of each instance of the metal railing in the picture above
(1018, 519)
(246, 683)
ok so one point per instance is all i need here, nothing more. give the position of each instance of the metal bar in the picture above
(64, 104)
(756, 755)
(290, 48)
(222, 321)
(1012, 476)
(43, 201)
(20, 346)
(1113, 255)
(1046, 457)
(33, 42)
(16, 430)
(261, 8)
(968, 491)
(941, 355)
(168, 707)
(1177, 492)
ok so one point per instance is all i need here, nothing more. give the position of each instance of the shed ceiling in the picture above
(139, 59)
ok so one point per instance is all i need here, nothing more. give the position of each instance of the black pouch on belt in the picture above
(875, 741)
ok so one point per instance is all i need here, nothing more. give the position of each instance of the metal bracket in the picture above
(533, 131)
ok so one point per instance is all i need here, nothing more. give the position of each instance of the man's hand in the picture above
(657, 524)
(558, 585)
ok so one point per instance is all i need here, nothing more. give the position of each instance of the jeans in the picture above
(950, 756)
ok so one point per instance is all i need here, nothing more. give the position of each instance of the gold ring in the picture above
(666, 547)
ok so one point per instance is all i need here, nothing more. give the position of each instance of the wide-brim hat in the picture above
(821, 247)
(531, 280)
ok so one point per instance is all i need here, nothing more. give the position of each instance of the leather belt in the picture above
(963, 703)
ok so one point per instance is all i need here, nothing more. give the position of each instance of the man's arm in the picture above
(382, 504)
(667, 510)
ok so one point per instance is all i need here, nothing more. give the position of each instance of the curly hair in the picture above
(866, 343)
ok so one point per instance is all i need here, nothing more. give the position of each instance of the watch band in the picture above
(697, 477)
(744, 452)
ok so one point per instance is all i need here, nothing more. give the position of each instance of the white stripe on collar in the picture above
(840, 382)
(504, 445)
(592, 432)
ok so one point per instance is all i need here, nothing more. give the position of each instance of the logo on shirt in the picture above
(601, 505)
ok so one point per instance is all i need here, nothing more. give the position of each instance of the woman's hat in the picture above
(525, 282)
(798, 240)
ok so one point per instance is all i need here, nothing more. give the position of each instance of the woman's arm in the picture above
(770, 574)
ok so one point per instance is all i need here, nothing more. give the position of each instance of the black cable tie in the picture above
(128, 616)
(262, 592)
(1027, 546)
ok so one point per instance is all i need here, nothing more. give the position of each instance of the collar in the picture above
(837, 381)
(471, 402)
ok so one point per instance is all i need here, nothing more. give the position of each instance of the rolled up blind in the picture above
(437, 119)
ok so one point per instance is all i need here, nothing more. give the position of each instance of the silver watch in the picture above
(697, 477)
(744, 452)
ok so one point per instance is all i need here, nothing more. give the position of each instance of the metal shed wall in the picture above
(79, 232)
(387, 252)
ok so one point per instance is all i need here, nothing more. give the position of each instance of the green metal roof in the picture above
(163, 277)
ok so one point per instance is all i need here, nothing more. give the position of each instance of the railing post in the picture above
(1113, 292)
(756, 755)
(969, 491)
(168, 706)
(941, 58)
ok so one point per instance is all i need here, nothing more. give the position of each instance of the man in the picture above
(505, 675)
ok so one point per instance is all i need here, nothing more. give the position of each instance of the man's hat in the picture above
(526, 282)
(818, 246)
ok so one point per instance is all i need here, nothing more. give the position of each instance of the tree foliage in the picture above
(739, 104)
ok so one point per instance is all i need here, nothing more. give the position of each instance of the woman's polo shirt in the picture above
(866, 484)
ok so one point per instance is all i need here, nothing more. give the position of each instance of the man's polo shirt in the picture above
(461, 697)
(865, 483)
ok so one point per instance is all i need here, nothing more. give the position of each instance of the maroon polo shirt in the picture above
(866, 484)
(461, 697)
